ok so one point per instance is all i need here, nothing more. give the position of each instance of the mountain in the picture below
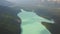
(53, 28)
(9, 21)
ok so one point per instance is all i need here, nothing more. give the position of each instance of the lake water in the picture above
(31, 23)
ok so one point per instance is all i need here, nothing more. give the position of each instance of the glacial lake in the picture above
(31, 23)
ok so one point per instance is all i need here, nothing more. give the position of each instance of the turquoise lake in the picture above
(31, 23)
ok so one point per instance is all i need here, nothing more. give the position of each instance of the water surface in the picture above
(31, 23)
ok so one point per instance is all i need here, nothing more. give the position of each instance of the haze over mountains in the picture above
(30, 4)
(33, 5)
(36, 3)
(5, 3)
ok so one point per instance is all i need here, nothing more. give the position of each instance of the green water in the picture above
(31, 23)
